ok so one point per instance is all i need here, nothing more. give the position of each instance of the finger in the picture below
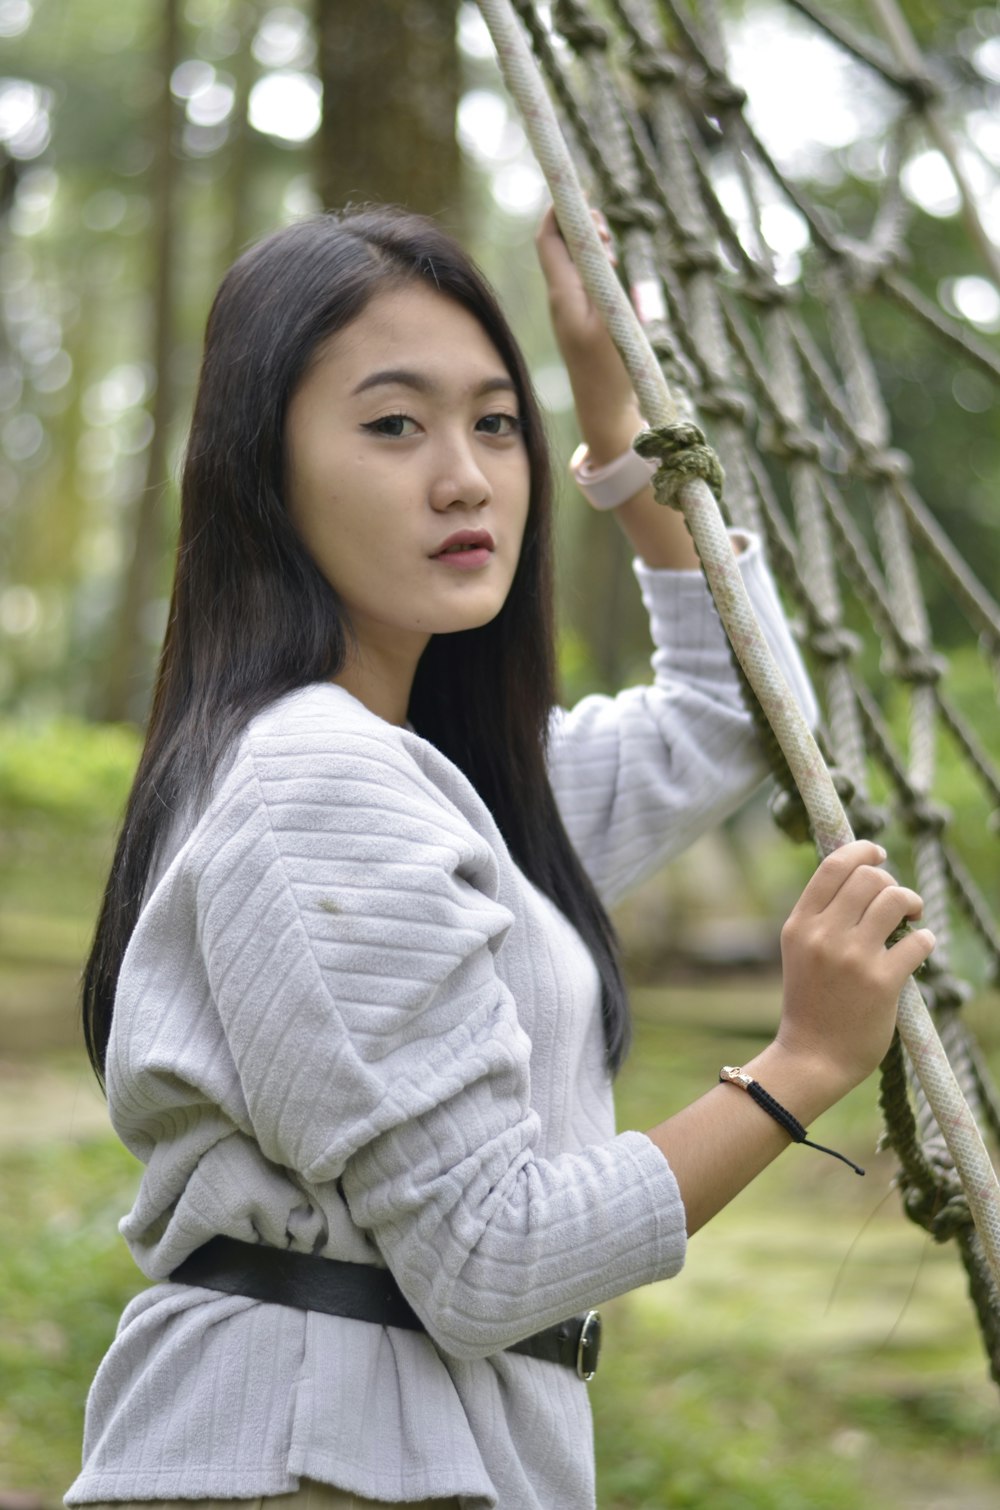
(909, 953)
(553, 253)
(548, 225)
(550, 242)
(604, 232)
(890, 908)
(857, 893)
(832, 873)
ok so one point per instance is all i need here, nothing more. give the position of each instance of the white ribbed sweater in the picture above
(347, 1024)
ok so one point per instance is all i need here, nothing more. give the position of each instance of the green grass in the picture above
(817, 1352)
(64, 1276)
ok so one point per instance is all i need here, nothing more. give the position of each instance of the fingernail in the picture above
(882, 854)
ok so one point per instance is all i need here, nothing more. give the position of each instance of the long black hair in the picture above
(252, 617)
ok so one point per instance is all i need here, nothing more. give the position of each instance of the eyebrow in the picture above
(405, 378)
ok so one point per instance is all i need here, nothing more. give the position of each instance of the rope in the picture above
(918, 86)
(683, 454)
(856, 268)
(692, 491)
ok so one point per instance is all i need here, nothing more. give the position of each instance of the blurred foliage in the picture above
(77, 382)
(68, 775)
(63, 787)
(66, 1277)
(77, 272)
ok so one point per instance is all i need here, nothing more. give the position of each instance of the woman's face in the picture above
(407, 474)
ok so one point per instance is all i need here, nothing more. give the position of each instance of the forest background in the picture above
(142, 145)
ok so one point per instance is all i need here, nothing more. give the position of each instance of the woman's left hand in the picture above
(606, 404)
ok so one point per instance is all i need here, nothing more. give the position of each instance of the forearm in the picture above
(722, 1141)
(605, 402)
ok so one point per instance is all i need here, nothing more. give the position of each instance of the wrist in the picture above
(778, 1112)
(617, 482)
(606, 434)
(807, 1083)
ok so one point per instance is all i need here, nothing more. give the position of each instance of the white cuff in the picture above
(615, 482)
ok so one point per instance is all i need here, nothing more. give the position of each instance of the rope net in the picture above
(781, 377)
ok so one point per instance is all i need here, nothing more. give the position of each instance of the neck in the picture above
(382, 678)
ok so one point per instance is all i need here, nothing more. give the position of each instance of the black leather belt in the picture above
(362, 1292)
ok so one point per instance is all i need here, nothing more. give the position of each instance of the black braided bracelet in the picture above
(732, 1074)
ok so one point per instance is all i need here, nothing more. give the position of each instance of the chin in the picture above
(455, 623)
(455, 617)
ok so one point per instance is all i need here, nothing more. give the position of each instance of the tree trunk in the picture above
(128, 652)
(246, 17)
(390, 73)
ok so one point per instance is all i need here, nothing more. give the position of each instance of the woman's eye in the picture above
(499, 424)
(395, 426)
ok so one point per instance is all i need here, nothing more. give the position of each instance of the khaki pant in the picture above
(308, 1496)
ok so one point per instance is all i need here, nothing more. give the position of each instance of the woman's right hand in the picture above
(840, 983)
(841, 986)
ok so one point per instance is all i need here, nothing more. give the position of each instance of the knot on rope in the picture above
(791, 442)
(726, 403)
(881, 465)
(767, 292)
(788, 812)
(626, 212)
(921, 88)
(683, 454)
(666, 352)
(723, 93)
(654, 67)
(862, 264)
(580, 30)
(843, 784)
(696, 256)
(916, 666)
(924, 817)
(866, 819)
(675, 368)
(943, 991)
(942, 1210)
(832, 643)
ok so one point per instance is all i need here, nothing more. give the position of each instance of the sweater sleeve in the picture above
(349, 930)
(639, 776)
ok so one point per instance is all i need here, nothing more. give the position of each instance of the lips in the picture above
(465, 540)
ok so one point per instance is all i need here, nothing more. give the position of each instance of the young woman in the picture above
(366, 999)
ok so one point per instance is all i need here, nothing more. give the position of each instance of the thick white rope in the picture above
(705, 522)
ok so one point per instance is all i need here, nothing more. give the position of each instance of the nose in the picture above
(459, 480)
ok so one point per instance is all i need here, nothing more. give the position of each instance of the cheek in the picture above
(319, 502)
(302, 494)
(525, 495)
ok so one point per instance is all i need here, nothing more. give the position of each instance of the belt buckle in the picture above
(588, 1348)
